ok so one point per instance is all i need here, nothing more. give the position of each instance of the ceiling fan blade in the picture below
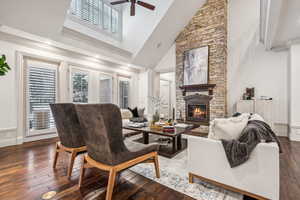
(132, 9)
(146, 5)
(119, 2)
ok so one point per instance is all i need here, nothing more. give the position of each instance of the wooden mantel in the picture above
(198, 88)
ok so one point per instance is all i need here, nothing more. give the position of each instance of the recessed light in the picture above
(97, 56)
(48, 195)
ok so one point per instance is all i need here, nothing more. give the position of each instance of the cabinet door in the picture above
(245, 106)
(265, 109)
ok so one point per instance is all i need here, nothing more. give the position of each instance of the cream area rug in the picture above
(174, 175)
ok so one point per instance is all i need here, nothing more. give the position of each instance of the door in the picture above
(41, 88)
(165, 95)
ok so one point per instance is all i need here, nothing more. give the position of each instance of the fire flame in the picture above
(198, 112)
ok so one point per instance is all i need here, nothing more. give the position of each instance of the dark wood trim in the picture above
(198, 88)
(227, 187)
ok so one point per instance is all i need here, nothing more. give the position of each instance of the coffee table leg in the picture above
(174, 144)
(179, 142)
(146, 138)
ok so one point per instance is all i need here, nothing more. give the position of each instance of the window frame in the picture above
(79, 70)
(43, 64)
(122, 78)
(76, 17)
(112, 85)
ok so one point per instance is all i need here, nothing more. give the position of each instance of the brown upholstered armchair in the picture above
(69, 132)
(102, 125)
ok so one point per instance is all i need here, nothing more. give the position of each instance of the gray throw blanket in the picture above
(238, 151)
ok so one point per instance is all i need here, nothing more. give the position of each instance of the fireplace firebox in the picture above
(197, 109)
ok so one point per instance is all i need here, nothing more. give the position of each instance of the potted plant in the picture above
(4, 67)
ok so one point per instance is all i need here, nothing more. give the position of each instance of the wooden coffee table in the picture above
(178, 143)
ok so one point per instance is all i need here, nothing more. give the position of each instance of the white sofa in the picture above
(258, 177)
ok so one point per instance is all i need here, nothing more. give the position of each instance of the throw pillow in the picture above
(228, 129)
(256, 117)
(134, 112)
(126, 114)
(141, 112)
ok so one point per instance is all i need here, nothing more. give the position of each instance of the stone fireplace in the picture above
(207, 28)
(197, 108)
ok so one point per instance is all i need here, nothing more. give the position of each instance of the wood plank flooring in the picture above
(26, 173)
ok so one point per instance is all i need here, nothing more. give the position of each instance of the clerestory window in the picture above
(100, 14)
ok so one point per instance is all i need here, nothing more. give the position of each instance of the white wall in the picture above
(294, 94)
(249, 65)
(168, 62)
(9, 113)
(171, 78)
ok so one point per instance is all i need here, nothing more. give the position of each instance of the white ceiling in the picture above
(41, 17)
(289, 23)
(281, 21)
(164, 34)
(147, 36)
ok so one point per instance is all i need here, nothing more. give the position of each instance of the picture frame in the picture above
(195, 66)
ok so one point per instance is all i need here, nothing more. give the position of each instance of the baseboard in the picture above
(8, 142)
(294, 133)
(39, 137)
(8, 136)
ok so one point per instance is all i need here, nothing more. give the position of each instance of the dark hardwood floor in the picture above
(26, 174)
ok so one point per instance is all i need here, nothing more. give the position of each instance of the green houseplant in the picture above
(4, 67)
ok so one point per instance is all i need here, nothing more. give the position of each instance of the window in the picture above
(99, 13)
(80, 85)
(106, 88)
(124, 93)
(41, 90)
(107, 17)
(114, 21)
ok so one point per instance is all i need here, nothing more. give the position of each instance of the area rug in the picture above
(174, 175)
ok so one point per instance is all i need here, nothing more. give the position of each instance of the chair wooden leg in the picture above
(82, 172)
(191, 178)
(156, 164)
(72, 159)
(55, 156)
(110, 185)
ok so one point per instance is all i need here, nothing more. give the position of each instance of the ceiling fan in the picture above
(133, 2)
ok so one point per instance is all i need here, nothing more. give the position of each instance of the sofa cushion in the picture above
(228, 128)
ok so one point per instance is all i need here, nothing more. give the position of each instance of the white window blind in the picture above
(99, 13)
(124, 93)
(106, 89)
(80, 86)
(41, 91)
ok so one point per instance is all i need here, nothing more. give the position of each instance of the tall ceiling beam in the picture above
(270, 16)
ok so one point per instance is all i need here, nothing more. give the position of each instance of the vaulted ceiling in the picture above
(280, 22)
(146, 37)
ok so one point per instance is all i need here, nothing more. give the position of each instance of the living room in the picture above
(104, 99)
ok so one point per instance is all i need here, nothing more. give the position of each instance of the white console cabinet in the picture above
(262, 107)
